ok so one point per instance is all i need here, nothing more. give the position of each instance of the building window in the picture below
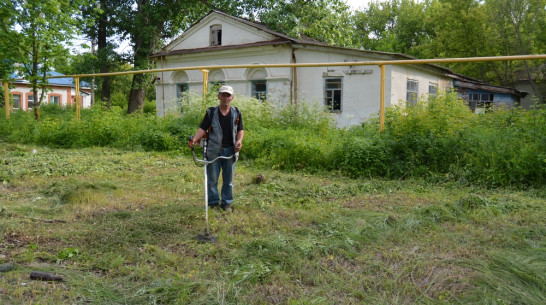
(432, 89)
(412, 91)
(55, 100)
(259, 89)
(480, 102)
(216, 35)
(332, 93)
(181, 88)
(30, 101)
(17, 101)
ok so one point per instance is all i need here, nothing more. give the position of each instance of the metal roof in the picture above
(66, 82)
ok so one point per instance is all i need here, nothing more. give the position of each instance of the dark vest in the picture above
(215, 135)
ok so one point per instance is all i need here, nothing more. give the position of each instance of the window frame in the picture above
(20, 100)
(215, 38)
(181, 88)
(30, 96)
(53, 96)
(412, 96)
(432, 89)
(259, 95)
(329, 99)
(480, 102)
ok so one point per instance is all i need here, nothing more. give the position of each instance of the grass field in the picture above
(119, 227)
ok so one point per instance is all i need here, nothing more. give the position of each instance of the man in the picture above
(223, 126)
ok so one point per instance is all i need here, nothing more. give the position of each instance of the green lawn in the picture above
(119, 227)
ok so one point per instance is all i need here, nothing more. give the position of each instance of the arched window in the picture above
(216, 35)
(258, 83)
(182, 83)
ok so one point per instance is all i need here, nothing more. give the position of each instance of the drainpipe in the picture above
(294, 79)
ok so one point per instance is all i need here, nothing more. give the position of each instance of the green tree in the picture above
(36, 35)
(329, 21)
(519, 28)
(393, 26)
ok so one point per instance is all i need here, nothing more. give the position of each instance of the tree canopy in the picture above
(36, 33)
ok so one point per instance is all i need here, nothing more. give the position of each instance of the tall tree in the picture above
(146, 23)
(36, 35)
(393, 26)
(520, 28)
(323, 20)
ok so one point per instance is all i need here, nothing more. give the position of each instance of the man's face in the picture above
(225, 98)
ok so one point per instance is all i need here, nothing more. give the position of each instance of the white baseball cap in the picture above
(226, 89)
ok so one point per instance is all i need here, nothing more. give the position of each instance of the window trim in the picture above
(20, 94)
(27, 96)
(327, 103)
(49, 96)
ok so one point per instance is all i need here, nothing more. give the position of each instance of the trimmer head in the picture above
(206, 238)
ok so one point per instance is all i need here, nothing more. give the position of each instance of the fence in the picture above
(381, 64)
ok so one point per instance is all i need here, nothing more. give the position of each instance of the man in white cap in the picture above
(223, 126)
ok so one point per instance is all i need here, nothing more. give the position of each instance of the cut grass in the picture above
(120, 226)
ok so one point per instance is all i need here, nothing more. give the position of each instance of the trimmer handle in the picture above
(190, 142)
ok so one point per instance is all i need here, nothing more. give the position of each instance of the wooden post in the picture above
(382, 100)
(205, 85)
(6, 99)
(77, 97)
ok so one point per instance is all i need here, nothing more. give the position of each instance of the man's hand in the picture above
(191, 143)
(238, 145)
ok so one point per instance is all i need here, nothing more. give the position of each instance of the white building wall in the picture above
(232, 34)
(361, 85)
(278, 79)
(400, 74)
(65, 95)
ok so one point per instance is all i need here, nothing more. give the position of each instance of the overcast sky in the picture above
(357, 4)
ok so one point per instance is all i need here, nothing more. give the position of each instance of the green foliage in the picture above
(438, 139)
(324, 20)
(36, 34)
(294, 238)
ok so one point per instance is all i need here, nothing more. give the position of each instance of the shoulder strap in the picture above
(211, 116)
(238, 113)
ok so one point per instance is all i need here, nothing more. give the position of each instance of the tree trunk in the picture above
(103, 56)
(137, 94)
(92, 71)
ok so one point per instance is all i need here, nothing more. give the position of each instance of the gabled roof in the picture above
(281, 39)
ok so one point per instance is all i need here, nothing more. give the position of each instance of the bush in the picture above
(436, 139)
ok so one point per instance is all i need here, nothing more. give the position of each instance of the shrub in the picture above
(439, 138)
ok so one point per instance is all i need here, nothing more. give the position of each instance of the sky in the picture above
(358, 4)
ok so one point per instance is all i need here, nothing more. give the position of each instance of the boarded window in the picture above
(216, 35)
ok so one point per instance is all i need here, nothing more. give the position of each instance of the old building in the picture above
(351, 93)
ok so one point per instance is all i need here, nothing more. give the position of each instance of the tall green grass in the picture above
(438, 139)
